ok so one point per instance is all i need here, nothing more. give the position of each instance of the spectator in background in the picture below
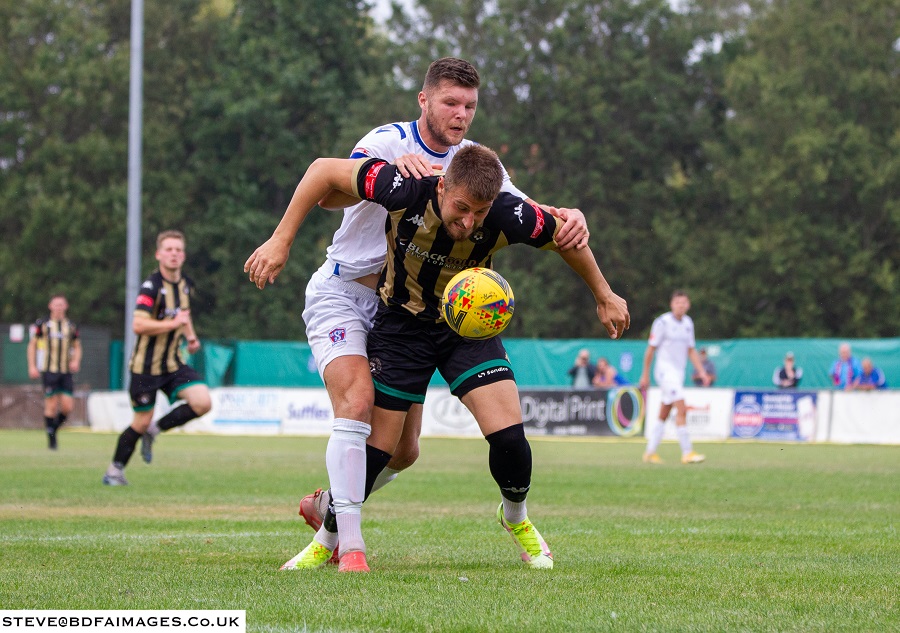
(708, 367)
(846, 370)
(582, 372)
(606, 376)
(871, 377)
(788, 375)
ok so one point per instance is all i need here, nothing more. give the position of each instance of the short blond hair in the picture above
(171, 233)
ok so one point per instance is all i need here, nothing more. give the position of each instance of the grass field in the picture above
(762, 537)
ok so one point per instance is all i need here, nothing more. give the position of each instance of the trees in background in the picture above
(745, 152)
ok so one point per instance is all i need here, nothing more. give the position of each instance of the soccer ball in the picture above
(478, 303)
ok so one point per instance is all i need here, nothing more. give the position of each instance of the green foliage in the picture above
(810, 163)
(747, 152)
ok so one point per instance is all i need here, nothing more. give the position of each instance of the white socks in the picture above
(345, 458)
(684, 439)
(514, 511)
(656, 435)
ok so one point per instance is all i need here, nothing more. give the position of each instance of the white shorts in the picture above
(670, 382)
(338, 316)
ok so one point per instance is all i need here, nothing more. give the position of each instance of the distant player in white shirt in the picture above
(672, 342)
(341, 296)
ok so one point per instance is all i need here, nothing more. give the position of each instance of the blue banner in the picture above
(774, 415)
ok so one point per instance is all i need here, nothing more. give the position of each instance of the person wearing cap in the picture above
(788, 375)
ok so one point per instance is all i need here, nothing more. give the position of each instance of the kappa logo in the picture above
(398, 180)
(417, 219)
(518, 212)
(338, 336)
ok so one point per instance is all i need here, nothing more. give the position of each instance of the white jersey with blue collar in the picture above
(359, 247)
(672, 339)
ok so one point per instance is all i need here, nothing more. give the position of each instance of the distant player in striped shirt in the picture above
(162, 320)
(56, 361)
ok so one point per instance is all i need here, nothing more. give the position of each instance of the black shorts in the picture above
(144, 386)
(404, 352)
(55, 384)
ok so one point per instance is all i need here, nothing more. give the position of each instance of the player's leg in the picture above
(671, 389)
(349, 385)
(125, 447)
(338, 316)
(183, 384)
(655, 434)
(50, 408)
(688, 456)
(496, 408)
(142, 391)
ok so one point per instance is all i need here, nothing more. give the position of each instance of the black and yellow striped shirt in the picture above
(160, 299)
(422, 257)
(58, 338)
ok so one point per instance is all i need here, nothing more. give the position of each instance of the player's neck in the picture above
(172, 275)
(427, 139)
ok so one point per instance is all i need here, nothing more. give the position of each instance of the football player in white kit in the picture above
(341, 296)
(672, 341)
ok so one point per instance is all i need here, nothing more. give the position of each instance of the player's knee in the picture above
(405, 456)
(353, 404)
(200, 403)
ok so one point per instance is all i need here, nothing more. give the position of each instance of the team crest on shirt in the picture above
(338, 336)
(480, 235)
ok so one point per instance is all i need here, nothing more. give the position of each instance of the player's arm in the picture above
(75, 358)
(574, 232)
(644, 382)
(31, 353)
(323, 176)
(612, 310)
(698, 366)
(193, 341)
(144, 325)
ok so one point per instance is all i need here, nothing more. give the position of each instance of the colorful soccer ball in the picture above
(478, 303)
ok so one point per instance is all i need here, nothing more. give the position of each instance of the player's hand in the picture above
(181, 318)
(613, 313)
(267, 261)
(644, 383)
(34, 374)
(574, 232)
(73, 367)
(415, 165)
(193, 345)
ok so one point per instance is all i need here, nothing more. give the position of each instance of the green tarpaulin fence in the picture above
(545, 363)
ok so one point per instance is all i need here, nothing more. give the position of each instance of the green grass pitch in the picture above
(762, 537)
